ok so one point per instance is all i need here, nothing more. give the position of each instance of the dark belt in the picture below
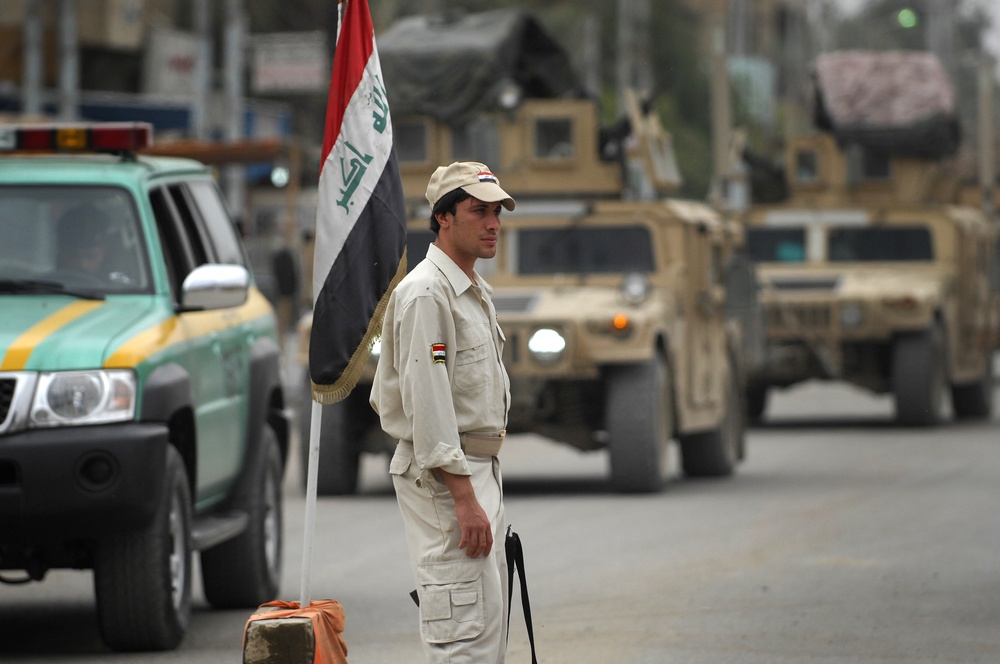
(480, 443)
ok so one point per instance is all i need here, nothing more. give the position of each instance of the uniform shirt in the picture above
(440, 372)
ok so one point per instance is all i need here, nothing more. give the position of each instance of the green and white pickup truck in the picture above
(141, 410)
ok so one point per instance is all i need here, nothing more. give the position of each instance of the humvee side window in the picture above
(887, 244)
(781, 245)
(410, 141)
(588, 250)
(554, 138)
(477, 140)
(806, 166)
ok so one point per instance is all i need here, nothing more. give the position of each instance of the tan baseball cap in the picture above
(475, 178)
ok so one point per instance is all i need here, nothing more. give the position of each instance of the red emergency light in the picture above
(104, 137)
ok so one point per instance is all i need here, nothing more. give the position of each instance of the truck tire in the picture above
(639, 417)
(756, 401)
(142, 579)
(716, 452)
(919, 377)
(244, 572)
(975, 400)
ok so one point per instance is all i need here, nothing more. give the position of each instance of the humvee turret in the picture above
(871, 273)
(613, 300)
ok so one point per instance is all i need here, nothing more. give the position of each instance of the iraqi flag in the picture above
(361, 217)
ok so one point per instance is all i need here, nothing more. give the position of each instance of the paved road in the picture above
(841, 540)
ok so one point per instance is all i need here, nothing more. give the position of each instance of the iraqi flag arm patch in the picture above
(438, 353)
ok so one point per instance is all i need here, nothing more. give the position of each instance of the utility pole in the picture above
(201, 95)
(69, 61)
(235, 63)
(31, 74)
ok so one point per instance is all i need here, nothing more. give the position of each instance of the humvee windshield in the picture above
(72, 239)
(584, 250)
(885, 244)
(777, 245)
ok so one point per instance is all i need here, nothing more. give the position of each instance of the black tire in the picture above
(639, 418)
(974, 401)
(339, 448)
(142, 579)
(756, 399)
(715, 453)
(919, 378)
(245, 572)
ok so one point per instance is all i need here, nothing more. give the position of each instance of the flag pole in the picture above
(312, 467)
(312, 472)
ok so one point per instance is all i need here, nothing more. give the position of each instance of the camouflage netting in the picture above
(452, 68)
(897, 102)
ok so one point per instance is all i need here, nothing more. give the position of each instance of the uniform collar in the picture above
(456, 276)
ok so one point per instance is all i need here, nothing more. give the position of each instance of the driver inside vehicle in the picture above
(83, 244)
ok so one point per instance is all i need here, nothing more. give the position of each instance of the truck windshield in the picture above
(885, 244)
(585, 250)
(79, 240)
(777, 245)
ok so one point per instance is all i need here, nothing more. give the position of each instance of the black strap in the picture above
(515, 561)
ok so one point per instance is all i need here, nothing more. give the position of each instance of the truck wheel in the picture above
(756, 402)
(639, 419)
(142, 579)
(715, 453)
(244, 572)
(918, 378)
(975, 400)
(339, 451)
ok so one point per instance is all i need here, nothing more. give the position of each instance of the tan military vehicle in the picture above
(620, 329)
(870, 274)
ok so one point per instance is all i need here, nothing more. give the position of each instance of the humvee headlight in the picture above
(635, 288)
(83, 397)
(851, 315)
(547, 345)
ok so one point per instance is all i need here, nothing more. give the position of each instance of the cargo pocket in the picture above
(473, 351)
(451, 600)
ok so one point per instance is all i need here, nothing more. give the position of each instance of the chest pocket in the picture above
(472, 357)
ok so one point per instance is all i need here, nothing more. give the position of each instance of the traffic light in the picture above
(907, 18)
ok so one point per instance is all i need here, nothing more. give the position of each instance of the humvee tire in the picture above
(639, 418)
(339, 448)
(918, 377)
(756, 402)
(975, 400)
(715, 453)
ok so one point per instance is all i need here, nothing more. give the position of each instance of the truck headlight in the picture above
(547, 345)
(83, 397)
(851, 315)
(635, 288)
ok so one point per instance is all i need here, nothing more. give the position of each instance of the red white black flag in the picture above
(361, 216)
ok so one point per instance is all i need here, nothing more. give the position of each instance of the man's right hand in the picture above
(477, 533)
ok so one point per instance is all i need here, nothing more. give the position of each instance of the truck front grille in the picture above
(799, 317)
(7, 386)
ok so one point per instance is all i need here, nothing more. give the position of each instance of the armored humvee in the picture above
(619, 331)
(870, 273)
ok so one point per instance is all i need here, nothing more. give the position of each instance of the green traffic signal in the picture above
(907, 18)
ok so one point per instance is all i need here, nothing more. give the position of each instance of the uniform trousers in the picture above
(463, 601)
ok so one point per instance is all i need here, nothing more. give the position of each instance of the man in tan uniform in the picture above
(441, 389)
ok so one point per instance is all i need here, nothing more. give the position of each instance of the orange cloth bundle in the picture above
(327, 618)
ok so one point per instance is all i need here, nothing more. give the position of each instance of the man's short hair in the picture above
(447, 204)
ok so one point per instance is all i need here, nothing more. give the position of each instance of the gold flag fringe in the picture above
(338, 391)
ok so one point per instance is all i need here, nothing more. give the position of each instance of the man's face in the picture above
(87, 259)
(474, 230)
